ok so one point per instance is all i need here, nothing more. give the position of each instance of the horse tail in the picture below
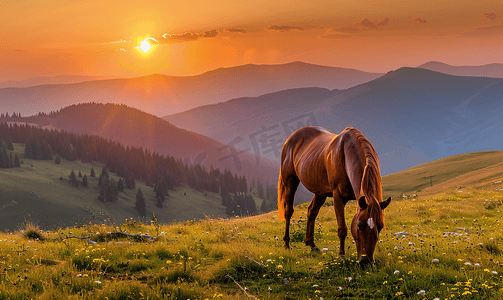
(287, 155)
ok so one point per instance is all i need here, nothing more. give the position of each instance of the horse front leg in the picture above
(342, 230)
(312, 213)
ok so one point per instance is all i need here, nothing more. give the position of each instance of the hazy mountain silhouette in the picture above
(162, 95)
(489, 70)
(132, 127)
(411, 115)
(49, 80)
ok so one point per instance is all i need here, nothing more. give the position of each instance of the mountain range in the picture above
(411, 115)
(162, 95)
(490, 70)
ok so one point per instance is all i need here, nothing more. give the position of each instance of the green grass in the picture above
(452, 251)
(441, 170)
(37, 195)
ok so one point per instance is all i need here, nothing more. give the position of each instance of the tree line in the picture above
(131, 163)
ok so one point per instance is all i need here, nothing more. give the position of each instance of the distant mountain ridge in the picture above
(62, 79)
(411, 115)
(490, 70)
(132, 127)
(162, 95)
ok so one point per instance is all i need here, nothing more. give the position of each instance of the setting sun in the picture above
(146, 46)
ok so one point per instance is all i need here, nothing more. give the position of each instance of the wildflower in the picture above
(434, 260)
(494, 272)
(396, 272)
(280, 267)
(398, 293)
(422, 292)
(97, 282)
(466, 293)
(168, 261)
(385, 282)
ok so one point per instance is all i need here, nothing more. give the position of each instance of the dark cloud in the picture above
(383, 22)
(235, 30)
(210, 33)
(367, 23)
(419, 20)
(490, 16)
(283, 28)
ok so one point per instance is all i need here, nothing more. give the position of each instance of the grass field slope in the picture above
(444, 245)
(35, 193)
(440, 174)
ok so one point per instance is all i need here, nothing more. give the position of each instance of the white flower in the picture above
(324, 249)
(468, 263)
(97, 282)
(422, 292)
(340, 288)
(396, 272)
(350, 278)
(494, 272)
(315, 285)
(434, 260)
(477, 265)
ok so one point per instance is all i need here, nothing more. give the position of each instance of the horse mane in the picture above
(371, 180)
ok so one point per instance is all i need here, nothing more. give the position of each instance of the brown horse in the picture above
(343, 166)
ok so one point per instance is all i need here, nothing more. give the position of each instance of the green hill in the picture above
(36, 194)
(439, 171)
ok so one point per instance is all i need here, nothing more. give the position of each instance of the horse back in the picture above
(325, 162)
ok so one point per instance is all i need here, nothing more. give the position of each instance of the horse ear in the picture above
(385, 204)
(362, 202)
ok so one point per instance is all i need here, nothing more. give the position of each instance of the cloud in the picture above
(187, 36)
(283, 28)
(367, 23)
(210, 33)
(419, 20)
(235, 30)
(490, 16)
(383, 22)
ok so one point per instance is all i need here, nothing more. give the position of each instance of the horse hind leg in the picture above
(286, 192)
(312, 213)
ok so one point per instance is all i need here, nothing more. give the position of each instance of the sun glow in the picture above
(146, 45)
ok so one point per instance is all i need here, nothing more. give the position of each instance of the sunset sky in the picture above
(56, 37)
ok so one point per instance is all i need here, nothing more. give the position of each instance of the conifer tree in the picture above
(57, 160)
(80, 174)
(73, 179)
(92, 172)
(103, 193)
(140, 203)
(84, 181)
(16, 161)
(120, 185)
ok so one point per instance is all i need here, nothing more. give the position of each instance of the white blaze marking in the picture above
(370, 222)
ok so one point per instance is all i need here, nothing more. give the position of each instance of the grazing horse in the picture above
(343, 166)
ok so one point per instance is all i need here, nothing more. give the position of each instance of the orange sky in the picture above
(50, 38)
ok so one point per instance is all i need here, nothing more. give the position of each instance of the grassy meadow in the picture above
(443, 245)
(34, 193)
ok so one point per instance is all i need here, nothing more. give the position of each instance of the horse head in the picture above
(366, 225)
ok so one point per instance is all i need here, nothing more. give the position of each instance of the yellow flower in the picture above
(466, 293)
(385, 282)
(168, 261)
(398, 293)
(280, 267)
